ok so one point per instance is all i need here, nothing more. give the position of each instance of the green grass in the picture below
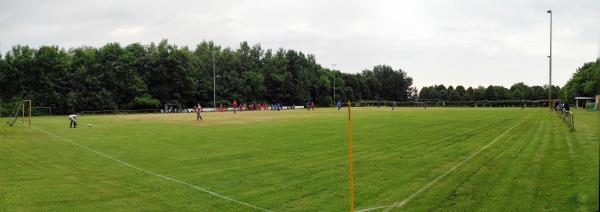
(298, 161)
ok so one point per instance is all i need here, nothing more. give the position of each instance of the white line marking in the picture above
(154, 173)
(413, 195)
(373, 208)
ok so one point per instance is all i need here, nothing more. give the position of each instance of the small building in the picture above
(584, 98)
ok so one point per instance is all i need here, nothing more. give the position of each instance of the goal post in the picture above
(23, 109)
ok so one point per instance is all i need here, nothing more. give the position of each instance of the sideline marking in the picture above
(154, 173)
(413, 195)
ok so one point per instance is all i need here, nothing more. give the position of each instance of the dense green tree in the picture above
(584, 82)
(538, 93)
(518, 91)
(391, 84)
(17, 73)
(460, 92)
(168, 78)
(146, 76)
(442, 92)
(53, 78)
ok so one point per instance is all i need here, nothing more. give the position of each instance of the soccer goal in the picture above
(21, 109)
(592, 106)
(41, 111)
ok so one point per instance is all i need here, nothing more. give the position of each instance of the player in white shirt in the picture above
(73, 119)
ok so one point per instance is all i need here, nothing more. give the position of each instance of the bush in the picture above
(146, 102)
(3, 110)
(6, 107)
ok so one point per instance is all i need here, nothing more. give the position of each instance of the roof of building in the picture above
(583, 97)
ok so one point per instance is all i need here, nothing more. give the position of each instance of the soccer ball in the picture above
(90, 125)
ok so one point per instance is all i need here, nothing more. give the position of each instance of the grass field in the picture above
(458, 159)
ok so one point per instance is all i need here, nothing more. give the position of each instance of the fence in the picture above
(442, 103)
(183, 110)
(362, 103)
(567, 117)
(114, 112)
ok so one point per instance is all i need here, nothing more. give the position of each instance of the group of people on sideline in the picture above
(310, 106)
(564, 106)
(254, 106)
(235, 107)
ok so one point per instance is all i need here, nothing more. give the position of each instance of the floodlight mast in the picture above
(214, 81)
(550, 65)
(333, 69)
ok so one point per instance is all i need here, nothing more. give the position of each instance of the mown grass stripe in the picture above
(421, 190)
(153, 173)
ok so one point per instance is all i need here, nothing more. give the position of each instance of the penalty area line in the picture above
(421, 190)
(154, 173)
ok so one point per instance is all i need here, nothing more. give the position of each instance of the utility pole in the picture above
(550, 65)
(333, 69)
(214, 81)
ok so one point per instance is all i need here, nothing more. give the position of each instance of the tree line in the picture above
(518, 91)
(140, 76)
(584, 82)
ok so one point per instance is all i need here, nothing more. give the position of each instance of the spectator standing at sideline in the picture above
(198, 111)
(522, 104)
(234, 105)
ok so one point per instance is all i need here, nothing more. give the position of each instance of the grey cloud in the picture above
(451, 42)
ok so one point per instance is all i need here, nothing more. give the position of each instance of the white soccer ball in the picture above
(90, 125)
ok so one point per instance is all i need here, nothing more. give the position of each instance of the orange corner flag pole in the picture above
(350, 151)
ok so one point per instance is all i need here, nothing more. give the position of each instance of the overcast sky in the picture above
(463, 42)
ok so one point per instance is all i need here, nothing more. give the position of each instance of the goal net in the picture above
(593, 106)
(41, 111)
(21, 110)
